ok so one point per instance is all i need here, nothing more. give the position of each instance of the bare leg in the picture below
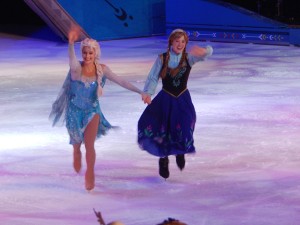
(89, 140)
(77, 157)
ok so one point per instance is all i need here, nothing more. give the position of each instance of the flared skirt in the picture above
(167, 125)
(77, 120)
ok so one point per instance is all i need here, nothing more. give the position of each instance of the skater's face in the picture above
(178, 45)
(88, 55)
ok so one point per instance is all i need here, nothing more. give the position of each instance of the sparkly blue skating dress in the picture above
(76, 105)
(167, 125)
(77, 102)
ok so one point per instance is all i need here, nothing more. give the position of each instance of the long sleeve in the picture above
(118, 80)
(75, 66)
(196, 56)
(153, 77)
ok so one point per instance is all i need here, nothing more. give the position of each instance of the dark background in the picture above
(286, 11)
(17, 18)
(16, 12)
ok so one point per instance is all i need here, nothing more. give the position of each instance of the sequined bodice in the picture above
(83, 94)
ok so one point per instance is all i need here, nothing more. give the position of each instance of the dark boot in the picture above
(180, 161)
(164, 167)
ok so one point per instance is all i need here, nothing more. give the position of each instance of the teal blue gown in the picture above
(75, 106)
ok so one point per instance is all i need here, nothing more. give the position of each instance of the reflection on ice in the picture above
(245, 171)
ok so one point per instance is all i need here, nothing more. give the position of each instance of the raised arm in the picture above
(197, 54)
(118, 80)
(75, 66)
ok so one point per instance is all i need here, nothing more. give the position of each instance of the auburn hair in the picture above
(175, 34)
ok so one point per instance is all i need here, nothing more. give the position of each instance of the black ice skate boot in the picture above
(180, 161)
(164, 167)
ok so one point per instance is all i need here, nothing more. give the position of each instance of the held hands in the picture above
(146, 98)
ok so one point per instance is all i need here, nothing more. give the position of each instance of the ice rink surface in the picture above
(246, 170)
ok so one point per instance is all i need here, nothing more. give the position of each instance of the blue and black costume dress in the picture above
(166, 126)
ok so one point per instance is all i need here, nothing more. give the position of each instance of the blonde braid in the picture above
(99, 73)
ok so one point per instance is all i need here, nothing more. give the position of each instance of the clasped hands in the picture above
(146, 98)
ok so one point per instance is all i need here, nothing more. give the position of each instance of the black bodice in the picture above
(177, 83)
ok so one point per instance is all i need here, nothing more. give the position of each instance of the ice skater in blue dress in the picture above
(167, 124)
(78, 106)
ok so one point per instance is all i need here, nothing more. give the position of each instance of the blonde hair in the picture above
(177, 33)
(91, 43)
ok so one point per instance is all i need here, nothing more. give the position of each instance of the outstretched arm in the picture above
(153, 77)
(118, 80)
(197, 53)
(152, 81)
(75, 66)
